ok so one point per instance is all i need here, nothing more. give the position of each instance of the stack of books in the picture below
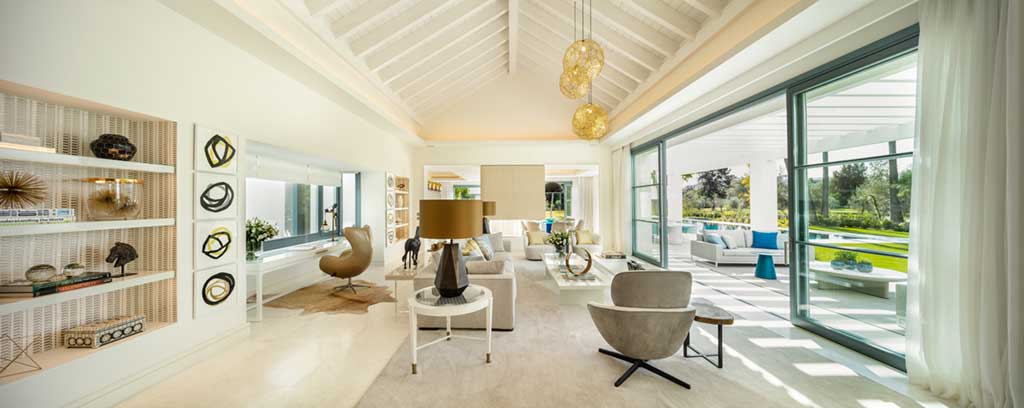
(613, 255)
(25, 288)
(44, 216)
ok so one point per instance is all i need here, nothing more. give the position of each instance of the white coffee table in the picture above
(428, 302)
(577, 291)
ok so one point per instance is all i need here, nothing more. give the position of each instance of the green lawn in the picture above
(884, 233)
(880, 261)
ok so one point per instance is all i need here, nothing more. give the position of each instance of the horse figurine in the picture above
(120, 255)
(412, 251)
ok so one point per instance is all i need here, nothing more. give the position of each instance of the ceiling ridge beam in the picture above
(465, 70)
(445, 68)
(461, 90)
(486, 25)
(618, 19)
(609, 39)
(367, 14)
(406, 80)
(394, 28)
(628, 67)
(457, 67)
(463, 93)
(611, 72)
(668, 17)
(438, 25)
(513, 34)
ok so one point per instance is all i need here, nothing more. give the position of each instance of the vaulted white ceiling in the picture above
(426, 55)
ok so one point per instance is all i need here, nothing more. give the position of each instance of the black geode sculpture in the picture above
(114, 147)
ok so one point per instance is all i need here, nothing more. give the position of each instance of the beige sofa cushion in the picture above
(530, 226)
(536, 237)
(583, 237)
(494, 267)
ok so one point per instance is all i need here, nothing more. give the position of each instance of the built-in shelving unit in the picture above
(84, 226)
(14, 304)
(65, 126)
(398, 208)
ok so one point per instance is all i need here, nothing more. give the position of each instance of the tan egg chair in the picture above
(351, 262)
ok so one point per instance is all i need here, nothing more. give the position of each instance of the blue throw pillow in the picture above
(715, 239)
(766, 240)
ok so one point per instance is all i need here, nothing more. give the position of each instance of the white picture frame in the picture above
(216, 243)
(216, 151)
(216, 196)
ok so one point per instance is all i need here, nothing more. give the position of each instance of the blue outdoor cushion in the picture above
(715, 239)
(766, 240)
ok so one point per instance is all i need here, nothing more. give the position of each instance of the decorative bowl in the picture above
(40, 273)
(112, 198)
(113, 147)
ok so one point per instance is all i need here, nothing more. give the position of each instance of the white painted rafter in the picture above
(479, 73)
(553, 69)
(513, 34)
(711, 8)
(463, 91)
(445, 46)
(445, 21)
(667, 17)
(463, 51)
(483, 52)
(464, 70)
(605, 12)
(318, 7)
(364, 16)
(396, 27)
(611, 72)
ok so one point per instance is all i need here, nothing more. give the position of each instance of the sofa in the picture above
(742, 254)
(497, 274)
(536, 252)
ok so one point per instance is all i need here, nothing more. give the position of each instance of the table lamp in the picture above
(451, 220)
(490, 208)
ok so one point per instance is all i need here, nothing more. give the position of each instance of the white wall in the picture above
(141, 56)
(575, 152)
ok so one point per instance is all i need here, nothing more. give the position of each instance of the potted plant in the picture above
(844, 260)
(256, 232)
(864, 265)
(560, 240)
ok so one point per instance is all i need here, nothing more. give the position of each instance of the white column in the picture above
(674, 195)
(764, 205)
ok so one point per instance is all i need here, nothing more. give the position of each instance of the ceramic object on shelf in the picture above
(114, 147)
(113, 198)
(40, 273)
(865, 267)
(73, 269)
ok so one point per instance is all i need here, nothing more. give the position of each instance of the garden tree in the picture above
(846, 180)
(714, 185)
(782, 197)
(740, 188)
(873, 194)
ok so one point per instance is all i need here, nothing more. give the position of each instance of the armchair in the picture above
(649, 319)
(352, 262)
(594, 248)
(536, 251)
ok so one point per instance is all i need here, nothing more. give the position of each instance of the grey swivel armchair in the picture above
(649, 320)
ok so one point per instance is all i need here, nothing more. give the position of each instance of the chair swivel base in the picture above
(641, 364)
(350, 285)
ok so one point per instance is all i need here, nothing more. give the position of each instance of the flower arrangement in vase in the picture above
(256, 232)
(560, 240)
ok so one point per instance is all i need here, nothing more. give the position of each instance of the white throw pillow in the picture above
(730, 242)
(497, 242)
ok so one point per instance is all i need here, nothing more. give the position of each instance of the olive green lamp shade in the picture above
(451, 219)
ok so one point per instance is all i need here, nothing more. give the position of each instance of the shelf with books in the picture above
(15, 304)
(61, 355)
(85, 226)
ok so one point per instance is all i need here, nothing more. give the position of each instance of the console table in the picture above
(287, 259)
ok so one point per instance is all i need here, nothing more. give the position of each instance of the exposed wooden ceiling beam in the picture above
(464, 49)
(608, 13)
(440, 24)
(453, 69)
(444, 47)
(396, 27)
(513, 34)
(668, 17)
(557, 17)
(628, 67)
(409, 87)
(455, 91)
(467, 72)
(463, 92)
(364, 16)
(712, 8)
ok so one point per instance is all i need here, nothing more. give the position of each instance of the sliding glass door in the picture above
(852, 139)
(648, 196)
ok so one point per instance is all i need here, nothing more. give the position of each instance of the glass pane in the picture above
(841, 297)
(264, 199)
(647, 239)
(646, 203)
(645, 168)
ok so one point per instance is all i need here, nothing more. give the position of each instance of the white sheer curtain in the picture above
(966, 296)
(617, 234)
(583, 202)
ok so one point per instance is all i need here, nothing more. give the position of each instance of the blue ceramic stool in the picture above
(765, 267)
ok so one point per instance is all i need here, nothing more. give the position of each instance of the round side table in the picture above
(428, 302)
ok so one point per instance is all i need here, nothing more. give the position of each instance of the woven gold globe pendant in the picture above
(590, 122)
(574, 84)
(586, 54)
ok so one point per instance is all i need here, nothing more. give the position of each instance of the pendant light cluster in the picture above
(582, 62)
